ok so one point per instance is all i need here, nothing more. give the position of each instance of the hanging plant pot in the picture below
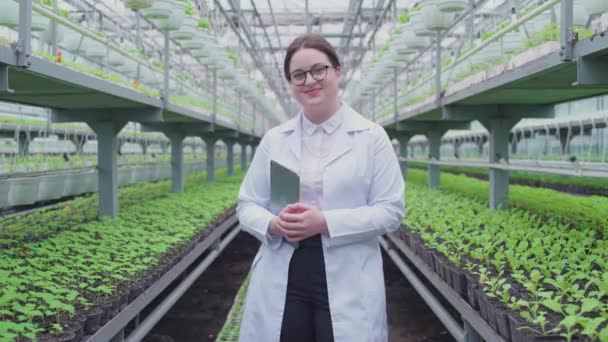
(116, 59)
(418, 25)
(413, 41)
(51, 186)
(160, 9)
(96, 50)
(47, 35)
(39, 23)
(187, 31)
(138, 4)
(175, 19)
(452, 5)
(24, 190)
(433, 18)
(594, 7)
(9, 13)
(75, 42)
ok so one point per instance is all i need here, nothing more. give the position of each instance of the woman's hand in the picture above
(298, 221)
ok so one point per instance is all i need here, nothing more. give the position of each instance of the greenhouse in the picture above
(178, 170)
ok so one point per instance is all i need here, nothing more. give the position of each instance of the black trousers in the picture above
(307, 317)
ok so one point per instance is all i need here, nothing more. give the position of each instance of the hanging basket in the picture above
(418, 25)
(175, 19)
(433, 18)
(116, 59)
(9, 13)
(96, 50)
(160, 9)
(47, 35)
(187, 31)
(595, 7)
(138, 4)
(75, 42)
(451, 6)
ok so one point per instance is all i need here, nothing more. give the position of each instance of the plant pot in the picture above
(459, 282)
(9, 14)
(174, 21)
(75, 42)
(138, 4)
(24, 190)
(472, 292)
(187, 31)
(105, 316)
(96, 50)
(452, 5)
(51, 187)
(116, 59)
(47, 35)
(93, 321)
(502, 324)
(67, 337)
(418, 25)
(160, 9)
(5, 187)
(595, 7)
(434, 19)
(39, 22)
(412, 40)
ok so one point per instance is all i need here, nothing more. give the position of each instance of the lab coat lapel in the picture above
(352, 122)
(292, 133)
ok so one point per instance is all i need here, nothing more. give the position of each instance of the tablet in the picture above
(284, 187)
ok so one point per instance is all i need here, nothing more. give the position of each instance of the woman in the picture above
(318, 274)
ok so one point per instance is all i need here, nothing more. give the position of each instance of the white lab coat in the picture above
(363, 198)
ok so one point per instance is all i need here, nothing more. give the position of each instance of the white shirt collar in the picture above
(329, 126)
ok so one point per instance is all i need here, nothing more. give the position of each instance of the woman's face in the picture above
(314, 95)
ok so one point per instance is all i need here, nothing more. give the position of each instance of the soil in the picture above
(200, 314)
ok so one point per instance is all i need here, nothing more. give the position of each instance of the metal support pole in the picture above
(470, 334)
(434, 137)
(498, 134)
(177, 161)
(24, 43)
(166, 71)
(456, 148)
(566, 34)
(438, 69)
(23, 144)
(144, 147)
(107, 148)
(243, 156)
(79, 144)
(210, 144)
(308, 28)
(230, 157)
(253, 148)
(54, 32)
(214, 94)
(395, 99)
(403, 139)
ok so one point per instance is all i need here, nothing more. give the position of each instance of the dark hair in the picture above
(310, 41)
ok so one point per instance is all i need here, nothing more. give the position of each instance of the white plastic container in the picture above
(187, 31)
(9, 13)
(452, 5)
(434, 19)
(138, 4)
(175, 19)
(595, 7)
(160, 9)
(418, 25)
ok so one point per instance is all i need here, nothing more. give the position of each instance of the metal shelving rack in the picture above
(106, 108)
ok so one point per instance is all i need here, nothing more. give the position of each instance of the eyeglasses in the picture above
(318, 73)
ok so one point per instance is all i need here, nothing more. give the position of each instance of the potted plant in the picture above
(417, 23)
(412, 40)
(434, 19)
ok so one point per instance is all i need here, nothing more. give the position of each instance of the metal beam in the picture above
(475, 112)
(94, 115)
